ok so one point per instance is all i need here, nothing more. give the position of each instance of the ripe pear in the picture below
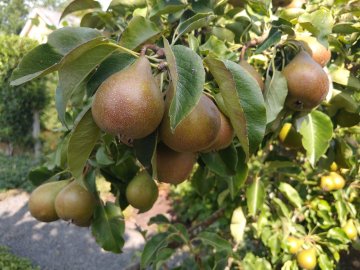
(197, 131)
(42, 201)
(318, 52)
(173, 167)
(224, 137)
(142, 192)
(249, 68)
(76, 204)
(129, 103)
(308, 84)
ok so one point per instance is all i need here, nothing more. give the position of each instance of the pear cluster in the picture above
(62, 200)
(130, 105)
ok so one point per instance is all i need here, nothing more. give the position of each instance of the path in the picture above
(59, 245)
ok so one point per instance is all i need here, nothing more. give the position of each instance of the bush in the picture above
(10, 261)
(17, 104)
(14, 172)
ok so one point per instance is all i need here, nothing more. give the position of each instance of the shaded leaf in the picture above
(166, 6)
(215, 241)
(291, 194)
(197, 21)
(152, 246)
(272, 39)
(255, 196)
(78, 5)
(108, 227)
(82, 141)
(145, 152)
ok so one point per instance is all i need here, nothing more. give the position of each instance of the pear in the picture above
(252, 71)
(318, 52)
(76, 204)
(197, 131)
(42, 201)
(173, 167)
(142, 192)
(308, 84)
(129, 102)
(225, 135)
(296, 4)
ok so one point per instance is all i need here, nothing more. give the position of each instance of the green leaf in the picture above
(340, 206)
(316, 130)
(319, 23)
(73, 72)
(108, 227)
(282, 209)
(46, 58)
(188, 78)
(325, 262)
(291, 194)
(275, 94)
(82, 141)
(152, 246)
(217, 48)
(273, 38)
(102, 157)
(114, 63)
(343, 76)
(201, 183)
(255, 196)
(197, 21)
(39, 175)
(166, 6)
(215, 241)
(78, 5)
(243, 100)
(145, 152)
(138, 32)
(128, 3)
(338, 235)
(223, 162)
(238, 225)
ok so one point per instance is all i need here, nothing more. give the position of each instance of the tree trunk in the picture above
(36, 134)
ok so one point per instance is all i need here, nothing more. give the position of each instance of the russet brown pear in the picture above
(308, 84)
(173, 167)
(197, 131)
(129, 103)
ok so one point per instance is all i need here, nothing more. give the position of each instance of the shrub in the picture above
(10, 261)
(17, 104)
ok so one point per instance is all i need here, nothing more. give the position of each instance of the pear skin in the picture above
(318, 52)
(308, 84)
(195, 132)
(129, 102)
(42, 201)
(173, 167)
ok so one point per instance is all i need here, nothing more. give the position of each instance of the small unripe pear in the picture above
(129, 102)
(42, 201)
(308, 84)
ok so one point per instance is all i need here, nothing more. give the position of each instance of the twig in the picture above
(252, 43)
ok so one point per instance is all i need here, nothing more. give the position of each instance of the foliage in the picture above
(10, 261)
(14, 172)
(247, 199)
(17, 104)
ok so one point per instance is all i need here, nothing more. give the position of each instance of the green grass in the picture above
(9, 261)
(14, 172)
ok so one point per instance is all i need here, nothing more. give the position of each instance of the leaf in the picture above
(343, 76)
(238, 225)
(291, 194)
(340, 206)
(222, 162)
(316, 130)
(325, 262)
(188, 79)
(108, 227)
(102, 158)
(273, 38)
(165, 7)
(138, 31)
(282, 209)
(145, 152)
(73, 72)
(197, 21)
(78, 5)
(243, 100)
(319, 23)
(39, 175)
(215, 241)
(338, 235)
(82, 141)
(217, 48)
(201, 183)
(46, 58)
(275, 94)
(255, 196)
(152, 246)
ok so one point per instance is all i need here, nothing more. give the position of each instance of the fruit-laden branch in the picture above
(193, 231)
